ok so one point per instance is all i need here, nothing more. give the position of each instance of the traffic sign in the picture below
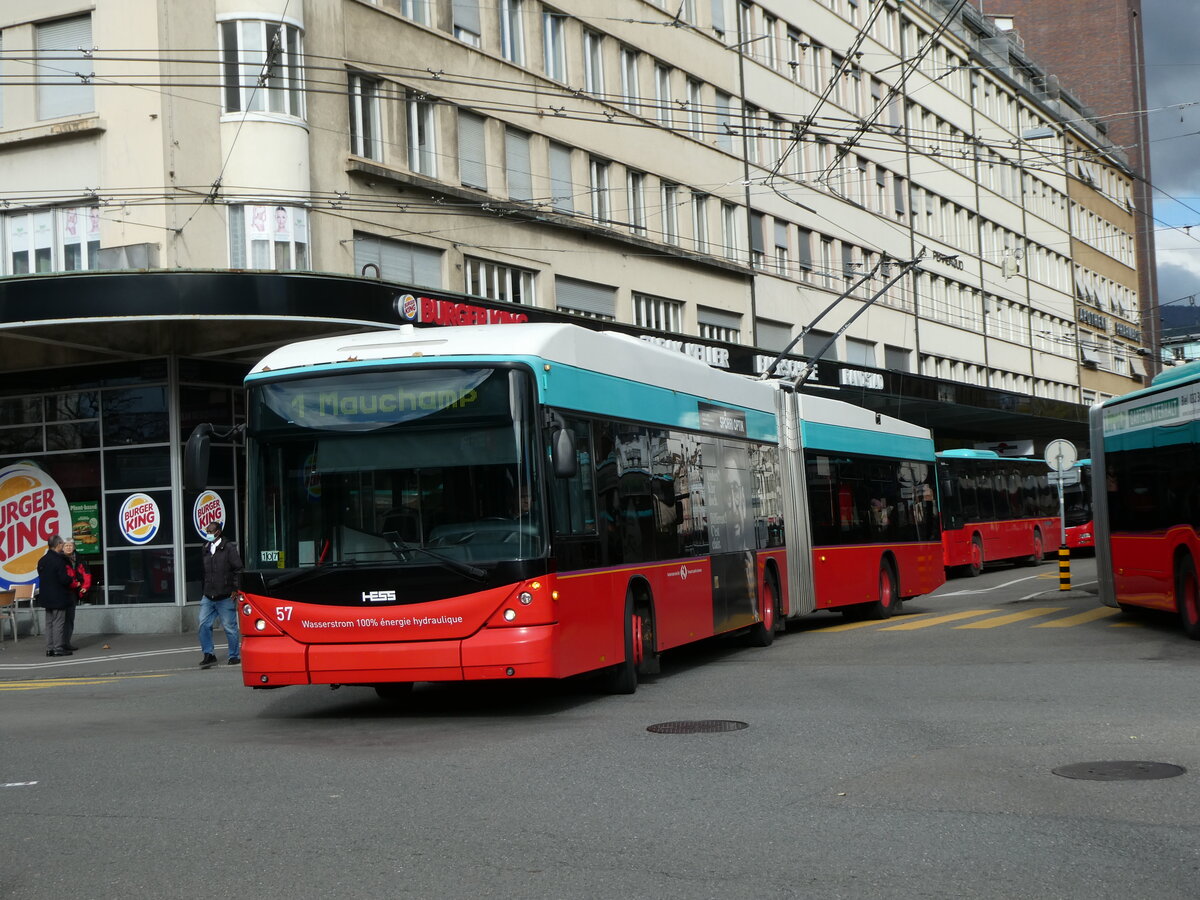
(1061, 455)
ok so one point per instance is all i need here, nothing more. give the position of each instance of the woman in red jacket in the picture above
(81, 583)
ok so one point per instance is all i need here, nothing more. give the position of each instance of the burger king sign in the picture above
(32, 508)
(139, 518)
(209, 508)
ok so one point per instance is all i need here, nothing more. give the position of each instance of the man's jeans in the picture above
(209, 610)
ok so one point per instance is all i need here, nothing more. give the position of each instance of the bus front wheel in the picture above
(1039, 549)
(1187, 597)
(639, 650)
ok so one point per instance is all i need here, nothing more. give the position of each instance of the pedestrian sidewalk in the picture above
(103, 654)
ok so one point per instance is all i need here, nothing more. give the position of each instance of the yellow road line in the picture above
(1013, 617)
(938, 620)
(847, 626)
(43, 683)
(1100, 612)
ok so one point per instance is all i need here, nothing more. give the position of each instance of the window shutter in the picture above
(805, 248)
(466, 15)
(399, 261)
(520, 183)
(237, 236)
(472, 150)
(718, 14)
(60, 92)
(781, 234)
(585, 296)
(718, 318)
(773, 335)
(756, 231)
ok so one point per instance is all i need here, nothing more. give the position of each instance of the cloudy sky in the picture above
(1170, 30)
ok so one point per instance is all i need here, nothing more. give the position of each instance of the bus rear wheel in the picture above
(974, 568)
(762, 633)
(889, 602)
(1187, 597)
(1039, 549)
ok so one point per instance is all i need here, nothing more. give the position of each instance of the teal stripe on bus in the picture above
(840, 439)
(569, 387)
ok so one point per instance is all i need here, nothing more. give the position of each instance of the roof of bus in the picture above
(607, 352)
(987, 454)
(1164, 379)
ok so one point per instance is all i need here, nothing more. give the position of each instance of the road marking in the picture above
(990, 589)
(938, 620)
(18, 784)
(92, 660)
(850, 626)
(1101, 612)
(44, 683)
(1013, 617)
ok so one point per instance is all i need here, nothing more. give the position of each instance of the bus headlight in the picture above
(260, 625)
(525, 597)
(509, 615)
(247, 609)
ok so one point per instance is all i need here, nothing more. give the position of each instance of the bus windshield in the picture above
(410, 466)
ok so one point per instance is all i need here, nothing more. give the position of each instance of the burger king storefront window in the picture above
(95, 456)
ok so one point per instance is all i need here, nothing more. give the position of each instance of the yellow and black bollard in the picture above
(1064, 568)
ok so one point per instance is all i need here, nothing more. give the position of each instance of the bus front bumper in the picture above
(490, 654)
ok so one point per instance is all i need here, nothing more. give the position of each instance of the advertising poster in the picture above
(85, 527)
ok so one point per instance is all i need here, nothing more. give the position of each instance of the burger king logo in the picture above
(209, 508)
(139, 519)
(407, 307)
(32, 508)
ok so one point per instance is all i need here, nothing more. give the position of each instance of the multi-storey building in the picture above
(715, 174)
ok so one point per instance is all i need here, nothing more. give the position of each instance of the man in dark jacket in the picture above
(222, 572)
(55, 594)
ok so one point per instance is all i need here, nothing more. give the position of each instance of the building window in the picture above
(757, 247)
(629, 79)
(512, 36)
(472, 150)
(364, 117)
(400, 262)
(493, 281)
(562, 185)
(422, 156)
(662, 95)
(719, 325)
(635, 197)
(782, 255)
(268, 237)
(657, 313)
(669, 195)
(262, 67)
(813, 342)
(417, 10)
(598, 173)
(63, 48)
(520, 179)
(466, 22)
(700, 221)
(860, 353)
(66, 239)
(724, 124)
(729, 241)
(593, 62)
(695, 108)
(804, 253)
(554, 45)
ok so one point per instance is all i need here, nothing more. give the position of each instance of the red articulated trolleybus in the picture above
(543, 500)
(1146, 496)
(995, 508)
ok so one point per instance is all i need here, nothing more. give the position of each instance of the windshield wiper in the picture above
(306, 574)
(400, 547)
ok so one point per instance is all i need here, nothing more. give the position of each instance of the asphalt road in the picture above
(911, 758)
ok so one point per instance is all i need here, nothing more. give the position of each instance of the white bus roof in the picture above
(607, 352)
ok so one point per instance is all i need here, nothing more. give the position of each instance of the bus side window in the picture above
(573, 500)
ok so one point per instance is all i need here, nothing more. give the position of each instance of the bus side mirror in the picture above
(562, 453)
(195, 459)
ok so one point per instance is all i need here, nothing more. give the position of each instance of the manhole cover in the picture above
(699, 726)
(1119, 770)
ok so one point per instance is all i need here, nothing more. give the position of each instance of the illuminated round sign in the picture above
(407, 307)
(32, 509)
(139, 518)
(209, 508)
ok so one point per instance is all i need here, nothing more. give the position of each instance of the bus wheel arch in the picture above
(640, 654)
(1039, 548)
(1187, 593)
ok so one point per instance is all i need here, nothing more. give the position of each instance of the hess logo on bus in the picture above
(32, 508)
(379, 596)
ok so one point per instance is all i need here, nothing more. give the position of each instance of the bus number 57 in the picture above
(283, 613)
